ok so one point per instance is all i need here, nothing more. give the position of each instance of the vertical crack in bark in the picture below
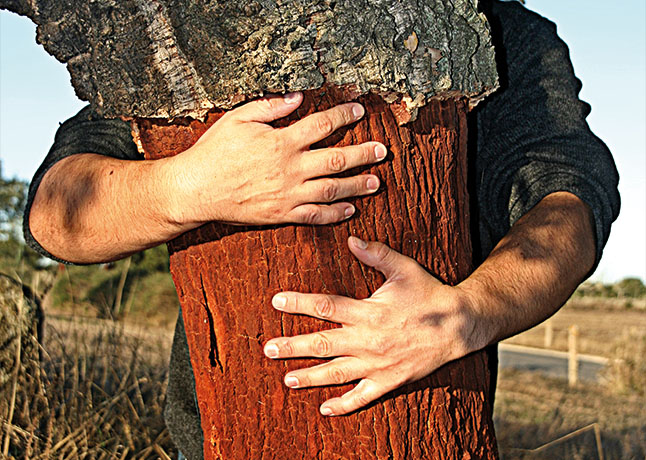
(214, 353)
(446, 419)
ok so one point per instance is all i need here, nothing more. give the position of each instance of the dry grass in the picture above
(602, 327)
(531, 411)
(98, 392)
(627, 371)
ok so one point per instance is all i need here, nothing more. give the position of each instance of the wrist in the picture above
(173, 194)
(472, 300)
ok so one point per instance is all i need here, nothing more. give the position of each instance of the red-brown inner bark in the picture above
(226, 276)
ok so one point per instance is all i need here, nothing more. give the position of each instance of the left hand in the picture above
(409, 327)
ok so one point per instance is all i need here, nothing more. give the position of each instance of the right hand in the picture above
(244, 171)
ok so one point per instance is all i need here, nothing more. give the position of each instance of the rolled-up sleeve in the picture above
(86, 132)
(533, 138)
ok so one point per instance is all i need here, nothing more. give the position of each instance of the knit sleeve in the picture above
(533, 138)
(85, 132)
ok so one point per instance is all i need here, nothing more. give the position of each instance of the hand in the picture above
(244, 171)
(409, 327)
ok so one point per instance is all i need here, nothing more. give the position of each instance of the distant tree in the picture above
(16, 258)
(13, 198)
(631, 287)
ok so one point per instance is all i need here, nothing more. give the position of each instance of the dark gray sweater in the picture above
(529, 139)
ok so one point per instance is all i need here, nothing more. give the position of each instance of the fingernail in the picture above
(348, 211)
(358, 242)
(372, 183)
(380, 152)
(271, 350)
(358, 111)
(292, 98)
(291, 381)
(279, 301)
(326, 411)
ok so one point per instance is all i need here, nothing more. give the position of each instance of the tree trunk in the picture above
(226, 276)
(168, 59)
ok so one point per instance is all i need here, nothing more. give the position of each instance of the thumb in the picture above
(268, 108)
(379, 256)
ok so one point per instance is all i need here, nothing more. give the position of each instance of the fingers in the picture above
(325, 344)
(320, 125)
(268, 108)
(341, 370)
(363, 394)
(328, 190)
(336, 188)
(324, 162)
(319, 214)
(378, 255)
(337, 309)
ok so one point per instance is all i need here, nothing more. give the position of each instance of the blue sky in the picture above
(607, 42)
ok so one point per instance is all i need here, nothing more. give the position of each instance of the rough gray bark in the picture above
(170, 58)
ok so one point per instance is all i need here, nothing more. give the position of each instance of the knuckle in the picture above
(368, 153)
(270, 103)
(279, 144)
(362, 399)
(380, 345)
(375, 316)
(399, 379)
(324, 307)
(321, 345)
(287, 349)
(337, 375)
(324, 124)
(330, 190)
(312, 216)
(274, 212)
(383, 253)
(337, 161)
(304, 380)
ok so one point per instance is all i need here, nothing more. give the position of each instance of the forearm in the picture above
(533, 270)
(92, 208)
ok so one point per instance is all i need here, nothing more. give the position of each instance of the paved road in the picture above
(548, 362)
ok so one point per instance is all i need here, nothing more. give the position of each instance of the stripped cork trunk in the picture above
(226, 276)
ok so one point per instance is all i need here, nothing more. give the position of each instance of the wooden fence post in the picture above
(549, 334)
(573, 360)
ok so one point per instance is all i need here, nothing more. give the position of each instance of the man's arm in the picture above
(93, 208)
(527, 277)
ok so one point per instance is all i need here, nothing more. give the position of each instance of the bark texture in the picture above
(172, 58)
(182, 58)
(227, 275)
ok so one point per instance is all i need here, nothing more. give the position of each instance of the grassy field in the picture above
(532, 411)
(99, 393)
(603, 325)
